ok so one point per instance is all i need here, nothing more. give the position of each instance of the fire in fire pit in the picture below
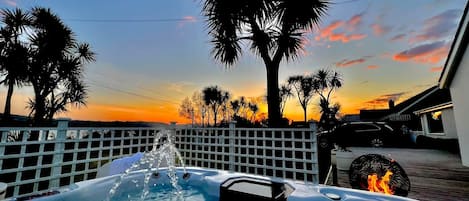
(377, 173)
(380, 185)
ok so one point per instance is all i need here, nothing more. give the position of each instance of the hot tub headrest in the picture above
(254, 189)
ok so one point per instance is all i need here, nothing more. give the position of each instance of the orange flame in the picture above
(380, 185)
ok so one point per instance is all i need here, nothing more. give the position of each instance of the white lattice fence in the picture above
(284, 153)
(34, 160)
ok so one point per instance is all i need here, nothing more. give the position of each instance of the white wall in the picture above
(460, 97)
(449, 124)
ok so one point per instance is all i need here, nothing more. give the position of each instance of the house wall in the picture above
(448, 123)
(460, 97)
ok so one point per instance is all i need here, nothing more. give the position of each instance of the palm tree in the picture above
(13, 52)
(275, 30)
(254, 109)
(214, 98)
(326, 82)
(285, 93)
(304, 88)
(57, 62)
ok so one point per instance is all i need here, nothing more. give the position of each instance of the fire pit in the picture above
(377, 173)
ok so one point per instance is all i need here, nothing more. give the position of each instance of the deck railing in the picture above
(36, 160)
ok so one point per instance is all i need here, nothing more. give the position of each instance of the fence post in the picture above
(172, 128)
(232, 145)
(62, 127)
(313, 129)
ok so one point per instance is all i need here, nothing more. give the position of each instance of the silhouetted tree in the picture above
(326, 82)
(285, 93)
(186, 109)
(13, 52)
(275, 29)
(254, 109)
(304, 88)
(57, 62)
(214, 98)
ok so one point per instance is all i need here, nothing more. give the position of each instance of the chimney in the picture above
(391, 104)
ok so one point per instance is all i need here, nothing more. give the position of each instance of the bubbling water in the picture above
(151, 161)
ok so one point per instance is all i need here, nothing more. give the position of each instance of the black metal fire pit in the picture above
(370, 164)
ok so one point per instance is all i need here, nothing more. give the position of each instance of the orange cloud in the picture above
(329, 30)
(383, 100)
(426, 53)
(372, 67)
(329, 34)
(379, 30)
(346, 63)
(354, 22)
(436, 69)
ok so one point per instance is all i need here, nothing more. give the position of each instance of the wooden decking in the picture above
(434, 174)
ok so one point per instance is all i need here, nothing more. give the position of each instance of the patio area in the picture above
(434, 174)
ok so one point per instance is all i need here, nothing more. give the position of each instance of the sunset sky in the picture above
(151, 54)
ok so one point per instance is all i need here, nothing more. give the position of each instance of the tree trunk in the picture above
(305, 112)
(7, 112)
(40, 109)
(273, 98)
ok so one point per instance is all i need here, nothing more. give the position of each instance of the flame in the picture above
(380, 185)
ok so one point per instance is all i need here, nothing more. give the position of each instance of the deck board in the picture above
(434, 174)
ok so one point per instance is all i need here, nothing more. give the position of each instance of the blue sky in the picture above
(151, 54)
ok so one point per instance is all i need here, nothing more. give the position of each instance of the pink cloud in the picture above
(372, 67)
(346, 63)
(329, 34)
(380, 30)
(426, 53)
(187, 19)
(354, 22)
(399, 37)
(329, 30)
(438, 27)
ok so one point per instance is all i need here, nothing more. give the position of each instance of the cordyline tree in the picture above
(304, 87)
(57, 62)
(13, 53)
(274, 28)
(326, 82)
(214, 98)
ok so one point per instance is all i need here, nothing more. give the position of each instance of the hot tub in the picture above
(210, 185)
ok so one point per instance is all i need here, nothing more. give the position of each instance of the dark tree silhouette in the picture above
(274, 28)
(57, 62)
(13, 53)
(285, 93)
(215, 98)
(304, 88)
(326, 82)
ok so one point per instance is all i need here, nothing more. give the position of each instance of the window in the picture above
(434, 122)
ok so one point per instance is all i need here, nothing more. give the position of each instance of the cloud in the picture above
(12, 3)
(438, 27)
(426, 53)
(346, 62)
(380, 30)
(436, 69)
(187, 19)
(329, 32)
(372, 67)
(399, 37)
(354, 22)
(384, 99)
